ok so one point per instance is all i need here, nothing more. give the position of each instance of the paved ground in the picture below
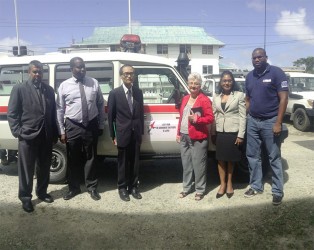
(163, 221)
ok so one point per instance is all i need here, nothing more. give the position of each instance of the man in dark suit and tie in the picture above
(32, 119)
(126, 125)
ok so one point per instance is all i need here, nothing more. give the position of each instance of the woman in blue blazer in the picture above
(228, 130)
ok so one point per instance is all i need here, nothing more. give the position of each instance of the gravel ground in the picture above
(163, 221)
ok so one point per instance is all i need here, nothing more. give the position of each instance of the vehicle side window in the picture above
(157, 84)
(101, 71)
(208, 87)
(11, 75)
(241, 86)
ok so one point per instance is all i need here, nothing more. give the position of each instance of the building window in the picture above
(162, 49)
(207, 49)
(207, 69)
(185, 48)
(92, 46)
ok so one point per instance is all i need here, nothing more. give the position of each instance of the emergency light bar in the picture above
(130, 43)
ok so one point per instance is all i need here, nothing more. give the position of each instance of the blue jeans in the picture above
(261, 131)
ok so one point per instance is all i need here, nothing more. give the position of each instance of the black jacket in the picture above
(27, 116)
(121, 120)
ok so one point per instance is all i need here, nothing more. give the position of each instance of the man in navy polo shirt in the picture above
(266, 102)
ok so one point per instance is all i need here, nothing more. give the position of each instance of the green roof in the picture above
(152, 35)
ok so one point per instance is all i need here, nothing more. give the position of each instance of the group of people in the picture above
(77, 118)
(258, 115)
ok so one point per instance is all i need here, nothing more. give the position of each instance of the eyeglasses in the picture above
(126, 74)
(37, 72)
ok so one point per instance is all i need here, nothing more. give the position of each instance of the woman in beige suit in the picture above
(228, 130)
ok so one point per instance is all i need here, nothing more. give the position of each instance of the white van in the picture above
(300, 106)
(160, 82)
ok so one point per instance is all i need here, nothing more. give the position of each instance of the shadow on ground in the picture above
(290, 226)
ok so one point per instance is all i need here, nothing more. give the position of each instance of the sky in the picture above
(286, 28)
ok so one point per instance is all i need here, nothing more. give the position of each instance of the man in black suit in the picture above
(32, 119)
(126, 125)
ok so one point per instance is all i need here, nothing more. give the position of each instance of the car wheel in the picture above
(58, 164)
(300, 120)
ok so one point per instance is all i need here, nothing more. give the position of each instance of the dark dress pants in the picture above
(128, 164)
(35, 153)
(81, 152)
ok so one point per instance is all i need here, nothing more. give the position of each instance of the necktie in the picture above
(39, 93)
(84, 105)
(130, 100)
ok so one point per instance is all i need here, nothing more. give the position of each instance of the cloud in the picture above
(293, 24)
(258, 5)
(7, 43)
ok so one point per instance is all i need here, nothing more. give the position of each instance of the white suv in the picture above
(300, 106)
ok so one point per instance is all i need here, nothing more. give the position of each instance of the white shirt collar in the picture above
(126, 89)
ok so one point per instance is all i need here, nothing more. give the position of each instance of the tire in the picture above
(300, 120)
(58, 166)
(243, 165)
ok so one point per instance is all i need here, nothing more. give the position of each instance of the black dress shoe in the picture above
(95, 195)
(124, 195)
(229, 195)
(71, 194)
(136, 194)
(218, 195)
(46, 198)
(27, 206)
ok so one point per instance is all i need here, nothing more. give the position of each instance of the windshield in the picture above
(299, 84)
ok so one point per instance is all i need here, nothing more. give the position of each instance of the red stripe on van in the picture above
(160, 109)
(3, 109)
(147, 109)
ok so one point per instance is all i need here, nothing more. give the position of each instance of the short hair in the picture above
(72, 61)
(261, 49)
(124, 66)
(234, 86)
(35, 63)
(195, 76)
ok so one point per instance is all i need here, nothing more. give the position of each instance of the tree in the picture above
(308, 63)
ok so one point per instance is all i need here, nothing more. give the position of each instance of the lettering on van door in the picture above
(156, 128)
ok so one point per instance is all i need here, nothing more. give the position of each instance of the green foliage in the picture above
(308, 63)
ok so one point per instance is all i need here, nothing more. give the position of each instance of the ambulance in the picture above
(162, 86)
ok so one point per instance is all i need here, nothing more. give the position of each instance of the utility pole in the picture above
(130, 26)
(17, 29)
(265, 27)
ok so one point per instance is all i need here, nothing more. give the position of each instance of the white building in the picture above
(166, 41)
